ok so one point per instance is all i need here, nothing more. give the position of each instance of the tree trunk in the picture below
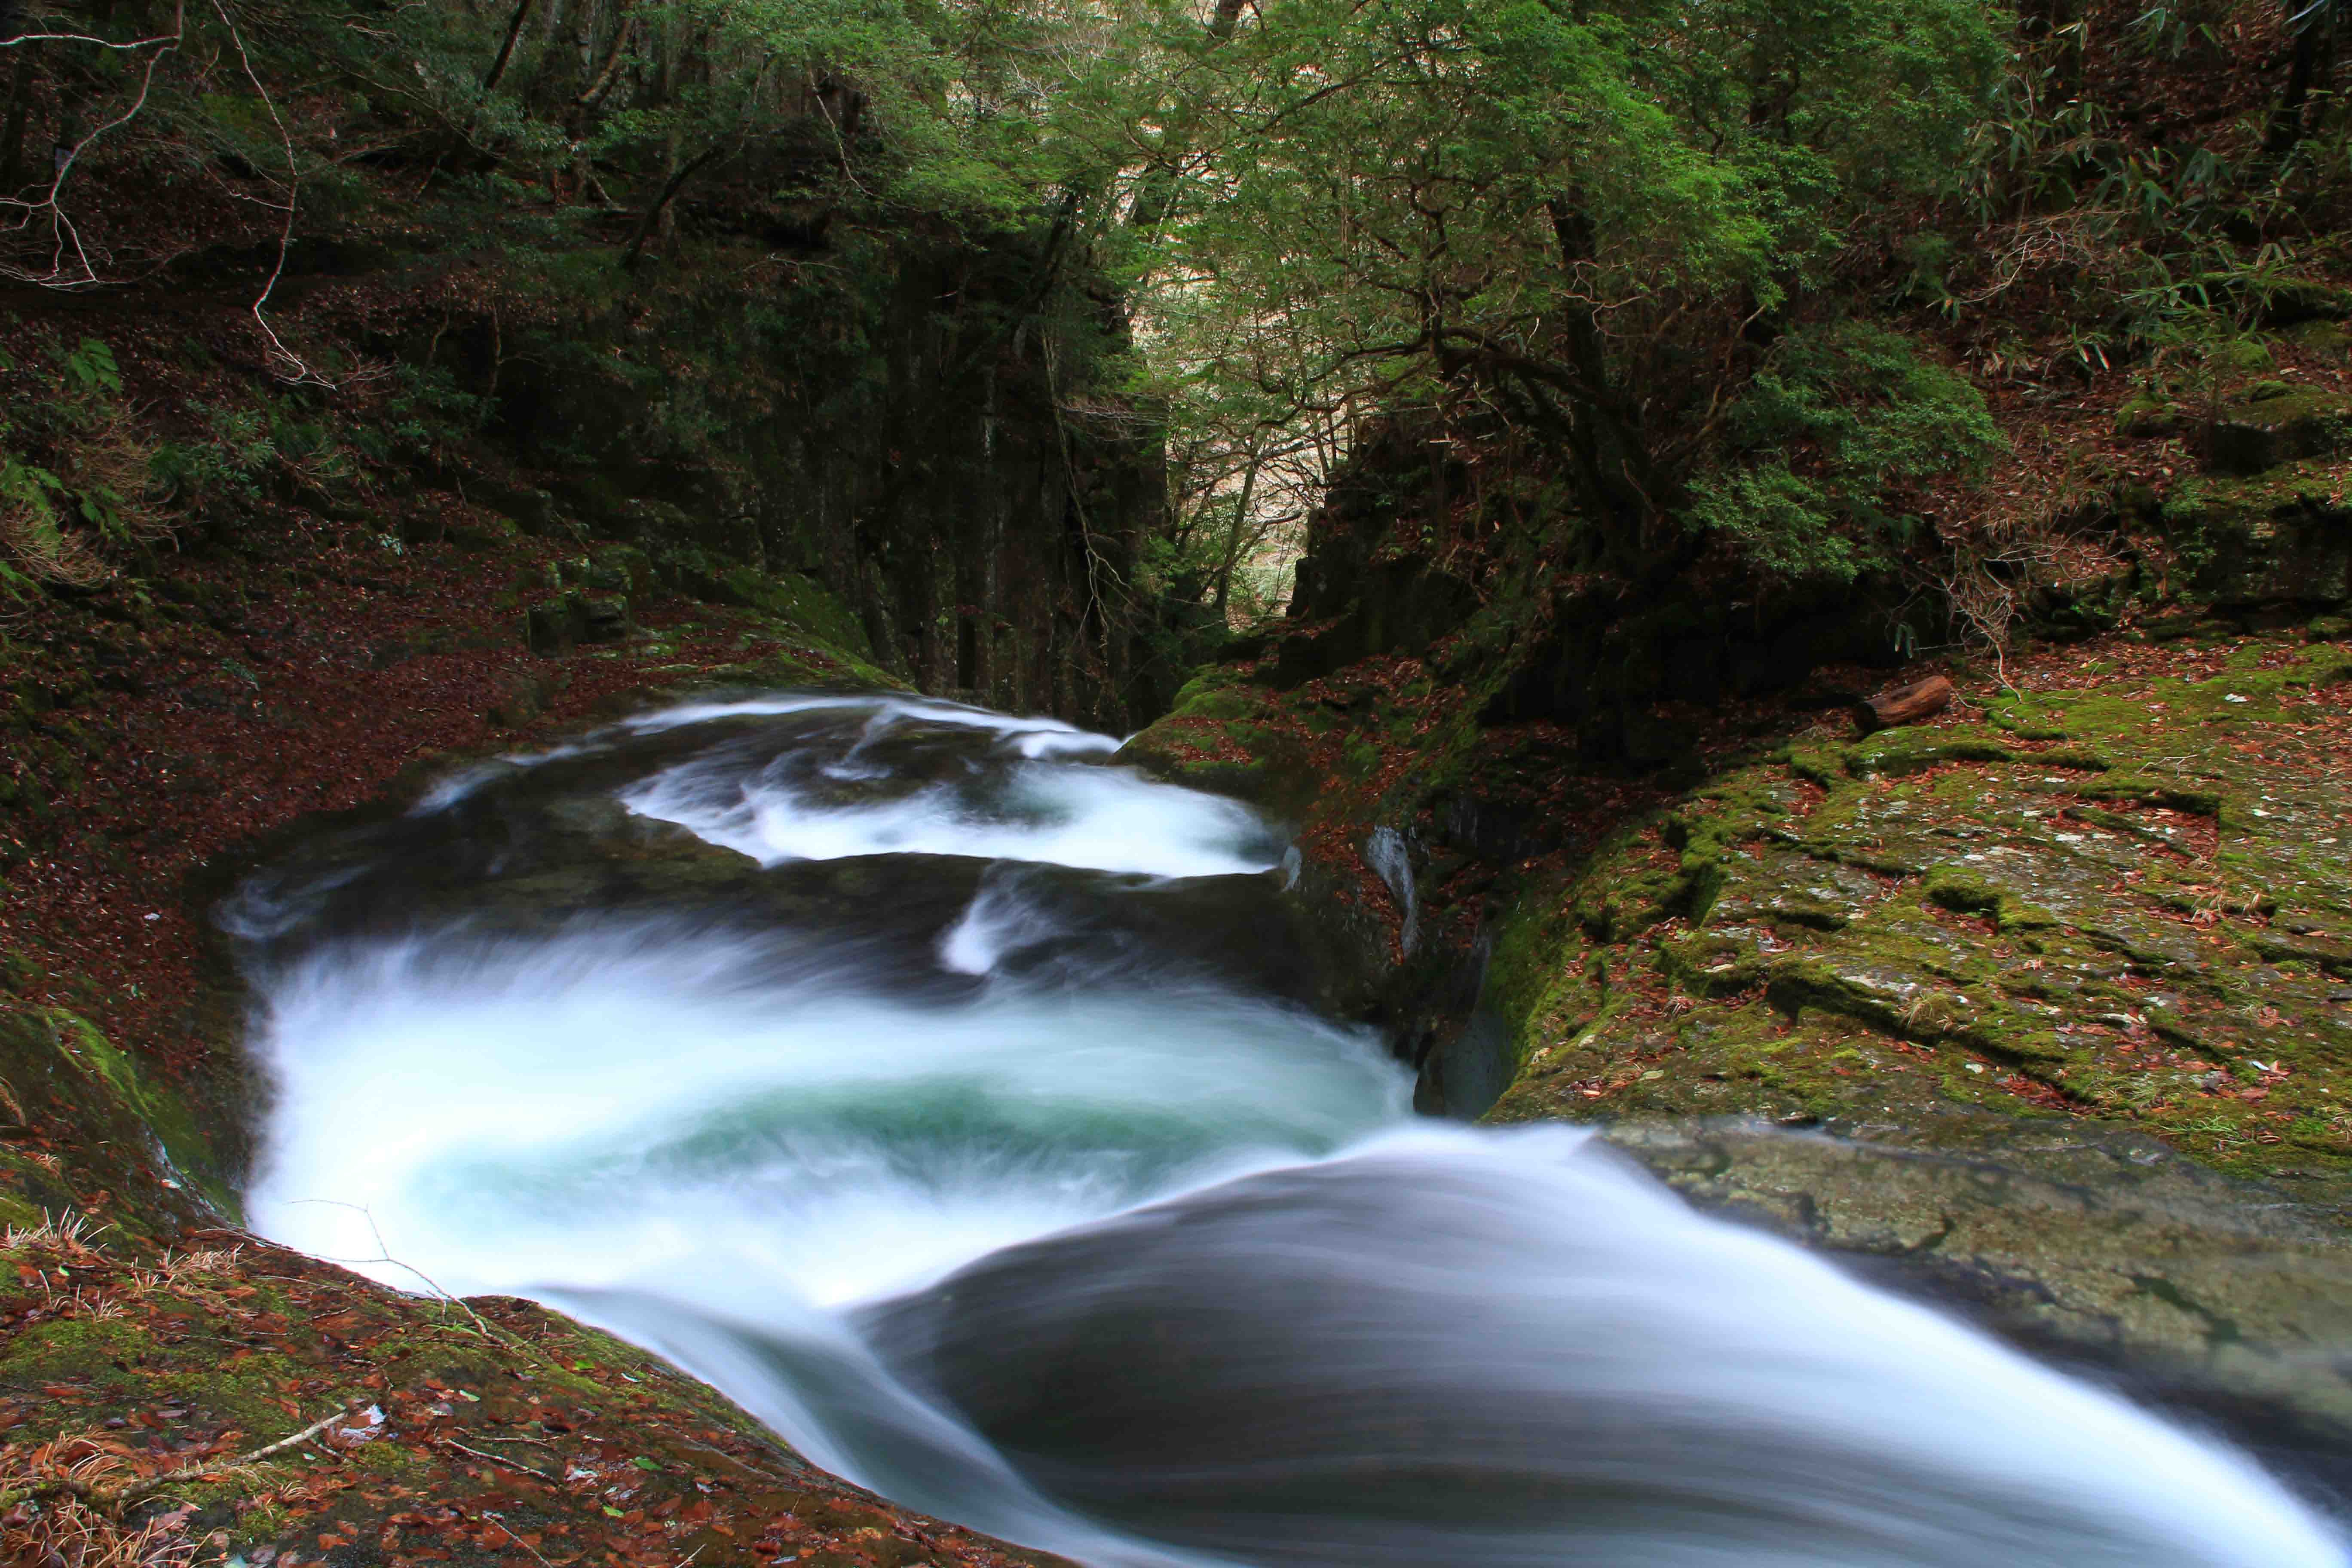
(611, 66)
(12, 139)
(1605, 438)
(1226, 567)
(2286, 130)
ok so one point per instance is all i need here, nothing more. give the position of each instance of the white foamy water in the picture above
(1003, 917)
(1139, 1270)
(523, 1109)
(1098, 818)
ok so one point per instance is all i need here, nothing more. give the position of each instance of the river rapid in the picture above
(951, 1096)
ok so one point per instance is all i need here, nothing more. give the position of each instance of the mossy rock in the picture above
(1993, 916)
(2148, 417)
(113, 1124)
(802, 601)
(620, 569)
(2276, 424)
(1899, 751)
(1966, 892)
(2282, 537)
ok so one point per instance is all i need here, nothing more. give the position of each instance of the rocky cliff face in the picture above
(921, 426)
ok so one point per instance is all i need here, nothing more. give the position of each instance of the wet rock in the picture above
(2092, 1242)
(1386, 853)
(523, 694)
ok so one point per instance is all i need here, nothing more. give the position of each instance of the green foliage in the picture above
(1547, 218)
(65, 463)
(424, 411)
(1556, 227)
(89, 369)
(1831, 443)
(2130, 243)
(238, 449)
(28, 523)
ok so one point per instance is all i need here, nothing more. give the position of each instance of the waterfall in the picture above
(944, 1092)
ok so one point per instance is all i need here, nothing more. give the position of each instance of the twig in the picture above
(383, 1255)
(61, 227)
(497, 1460)
(131, 1491)
(500, 1520)
(87, 38)
(1096, 567)
(138, 1490)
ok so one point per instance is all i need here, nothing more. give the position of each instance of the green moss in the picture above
(15, 1211)
(1966, 892)
(2075, 939)
(161, 1112)
(799, 601)
(1903, 751)
(2144, 791)
(1201, 699)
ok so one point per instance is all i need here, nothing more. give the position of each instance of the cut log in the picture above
(1904, 704)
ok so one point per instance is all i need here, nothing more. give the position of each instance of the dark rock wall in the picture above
(1596, 645)
(923, 425)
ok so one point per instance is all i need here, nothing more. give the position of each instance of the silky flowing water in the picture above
(951, 1097)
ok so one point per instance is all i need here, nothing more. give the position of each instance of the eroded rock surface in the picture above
(2124, 898)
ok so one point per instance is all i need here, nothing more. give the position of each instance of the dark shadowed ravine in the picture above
(951, 1096)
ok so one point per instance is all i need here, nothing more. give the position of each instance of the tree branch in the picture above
(611, 66)
(653, 213)
(507, 48)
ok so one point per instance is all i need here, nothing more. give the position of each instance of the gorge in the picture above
(981, 785)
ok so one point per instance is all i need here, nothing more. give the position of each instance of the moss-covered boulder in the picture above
(2281, 537)
(2277, 423)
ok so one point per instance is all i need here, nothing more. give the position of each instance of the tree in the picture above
(1563, 217)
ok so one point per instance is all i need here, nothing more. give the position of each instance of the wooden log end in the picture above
(1904, 704)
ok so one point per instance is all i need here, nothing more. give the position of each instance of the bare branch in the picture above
(166, 39)
(284, 362)
(63, 232)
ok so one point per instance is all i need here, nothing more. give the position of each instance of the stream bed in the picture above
(952, 1098)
